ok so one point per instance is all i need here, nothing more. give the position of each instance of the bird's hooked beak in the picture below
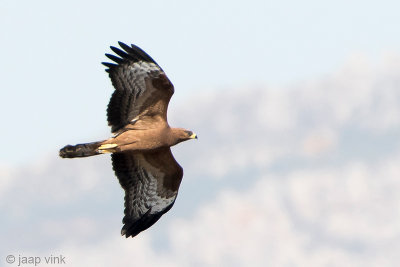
(193, 136)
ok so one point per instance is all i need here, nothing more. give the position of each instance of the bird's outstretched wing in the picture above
(141, 87)
(151, 181)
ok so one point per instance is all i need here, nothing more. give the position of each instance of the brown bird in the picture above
(141, 154)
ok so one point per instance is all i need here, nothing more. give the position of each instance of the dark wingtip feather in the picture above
(119, 52)
(134, 227)
(114, 58)
(144, 56)
(109, 65)
(131, 53)
(126, 47)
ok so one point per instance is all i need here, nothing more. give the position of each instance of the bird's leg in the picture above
(107, 148)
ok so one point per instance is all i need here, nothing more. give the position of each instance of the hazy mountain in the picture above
(305, 175)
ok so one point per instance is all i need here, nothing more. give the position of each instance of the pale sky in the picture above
(54, 87)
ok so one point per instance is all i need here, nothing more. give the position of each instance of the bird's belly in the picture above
(140, 146)
(138, 143)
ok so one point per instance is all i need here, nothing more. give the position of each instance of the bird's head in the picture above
(190, 135)
(180, 135)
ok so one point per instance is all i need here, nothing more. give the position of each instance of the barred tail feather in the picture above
(80, 150)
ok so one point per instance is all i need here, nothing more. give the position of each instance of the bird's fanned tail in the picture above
(80, 150)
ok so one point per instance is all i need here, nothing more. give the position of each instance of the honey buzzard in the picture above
(140, 147)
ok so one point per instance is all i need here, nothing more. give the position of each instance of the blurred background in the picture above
(297, 109)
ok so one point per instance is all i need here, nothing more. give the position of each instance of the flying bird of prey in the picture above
(141, 141)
